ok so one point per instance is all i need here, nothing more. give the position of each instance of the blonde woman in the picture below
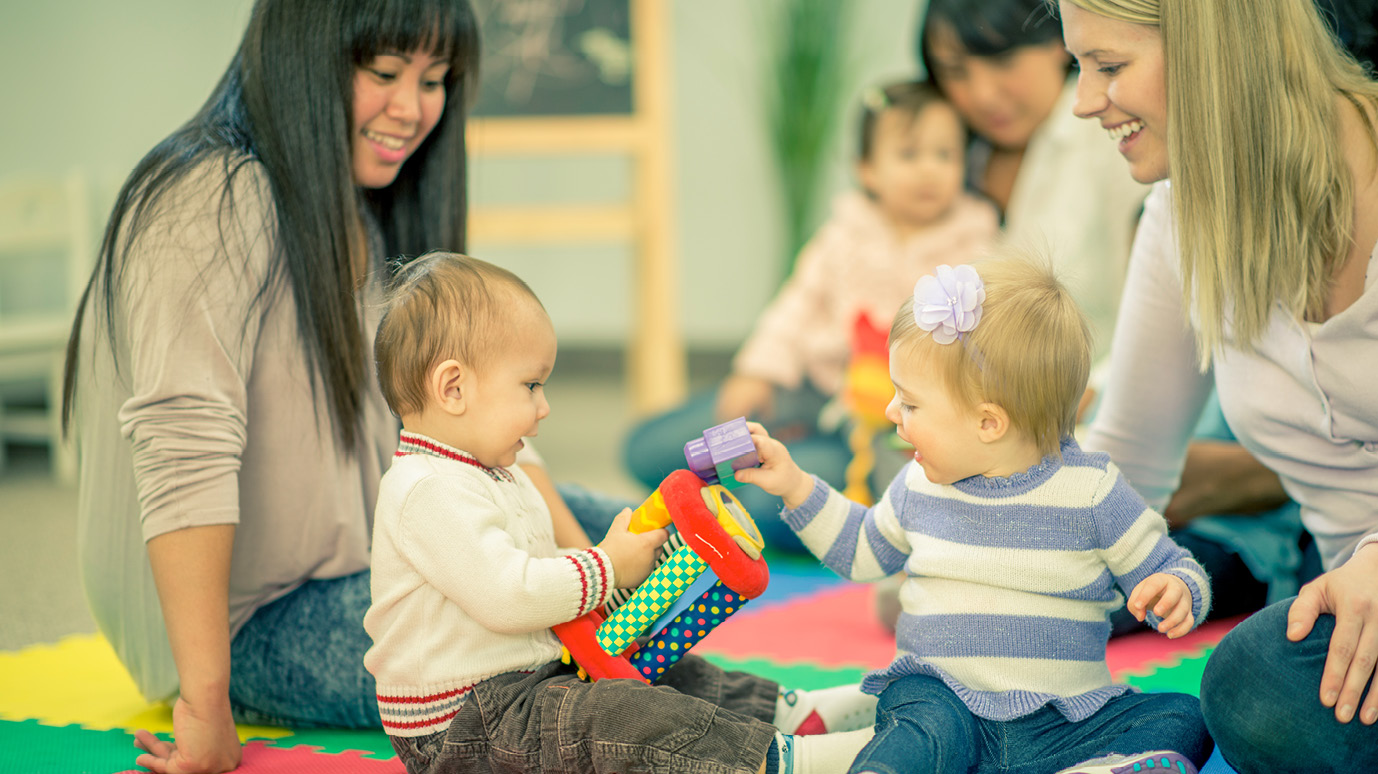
(1253, 270)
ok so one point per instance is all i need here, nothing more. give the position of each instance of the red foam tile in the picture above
(259, 758)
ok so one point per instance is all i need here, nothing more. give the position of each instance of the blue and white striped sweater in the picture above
(1011, 580)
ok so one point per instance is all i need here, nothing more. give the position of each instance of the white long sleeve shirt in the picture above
(1305, 403)
(466, 582)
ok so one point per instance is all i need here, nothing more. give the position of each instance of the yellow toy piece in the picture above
(866, 392)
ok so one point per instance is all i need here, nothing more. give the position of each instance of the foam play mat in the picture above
(70, 708)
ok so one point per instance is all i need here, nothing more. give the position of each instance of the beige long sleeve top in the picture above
(210, 419)
(854, 263)
(1302, 402)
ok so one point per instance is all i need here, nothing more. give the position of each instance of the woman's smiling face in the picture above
(398, 100)
(1122, 84)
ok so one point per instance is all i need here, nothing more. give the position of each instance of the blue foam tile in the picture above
(1217, 765)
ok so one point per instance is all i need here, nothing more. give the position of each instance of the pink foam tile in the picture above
(1141, 651)
(837, 628)
(259, 758)
(834, 627)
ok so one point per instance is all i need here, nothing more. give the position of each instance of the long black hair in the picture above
(285, 103)
(989, 27)
(1353, 22)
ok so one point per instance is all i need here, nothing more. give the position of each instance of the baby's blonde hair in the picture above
(442, 306)
(1030, 354)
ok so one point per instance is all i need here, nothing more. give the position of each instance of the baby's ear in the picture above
(447, 386)
(993, 422)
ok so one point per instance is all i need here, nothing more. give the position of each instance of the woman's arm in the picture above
(188, 303)
(191, 568)
(1155, 390)
(1222, 477)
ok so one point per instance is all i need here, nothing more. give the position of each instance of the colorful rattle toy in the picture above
(711, 566)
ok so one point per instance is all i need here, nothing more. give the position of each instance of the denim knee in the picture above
(921, 725)
(1260, 695)
(1179, 718)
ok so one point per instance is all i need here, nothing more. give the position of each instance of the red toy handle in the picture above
(683, 493)
(578, 637)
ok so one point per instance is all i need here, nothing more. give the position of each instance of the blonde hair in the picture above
(441, 306)
(1030, 354)
(1263, 196)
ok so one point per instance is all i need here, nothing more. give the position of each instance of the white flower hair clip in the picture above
(948, 302)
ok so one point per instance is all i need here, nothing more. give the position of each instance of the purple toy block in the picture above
(727, 443)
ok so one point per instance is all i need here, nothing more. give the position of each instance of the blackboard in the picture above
(555, 58)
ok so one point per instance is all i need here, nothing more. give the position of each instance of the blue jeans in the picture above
(299, 661)
(921, 725)
(655, 448)
(1260, 695)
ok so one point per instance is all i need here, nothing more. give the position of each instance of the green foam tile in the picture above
(796, 676)
(1181, 677)
(374, 743)
(29, 747)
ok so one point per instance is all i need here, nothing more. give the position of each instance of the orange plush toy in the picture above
(865, 394)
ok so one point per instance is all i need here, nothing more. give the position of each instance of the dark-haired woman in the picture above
(220, 384)
(1003, 66)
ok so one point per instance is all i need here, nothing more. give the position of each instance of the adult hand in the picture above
(1222, 477)
(1350, 593)
(745, 396)
(206, 742)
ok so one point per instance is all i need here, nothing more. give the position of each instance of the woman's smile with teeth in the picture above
(1124, 130)
(387, 141)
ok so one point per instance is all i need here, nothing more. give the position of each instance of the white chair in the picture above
(46, 254)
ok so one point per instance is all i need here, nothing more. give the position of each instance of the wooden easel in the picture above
(656, 368)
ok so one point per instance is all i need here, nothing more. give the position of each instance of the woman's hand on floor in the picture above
(1350, 593)
(205, 743)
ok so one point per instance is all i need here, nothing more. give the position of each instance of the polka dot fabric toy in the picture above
(685, 631)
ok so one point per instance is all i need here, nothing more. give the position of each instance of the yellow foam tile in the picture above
(80, 681)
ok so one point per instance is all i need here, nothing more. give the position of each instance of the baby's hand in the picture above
(777, 473)
(633, 554)
(1169, 599)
